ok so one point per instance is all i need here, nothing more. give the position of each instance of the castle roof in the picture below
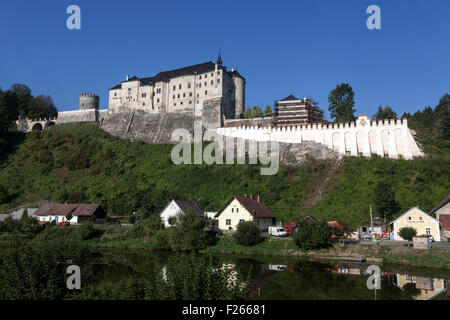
(165, 76)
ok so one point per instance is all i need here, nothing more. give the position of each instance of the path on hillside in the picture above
(322, 183)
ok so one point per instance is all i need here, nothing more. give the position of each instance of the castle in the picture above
(185, 90)
(151, 108)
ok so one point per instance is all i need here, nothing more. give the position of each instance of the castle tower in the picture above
(88, 101)
(239, 95)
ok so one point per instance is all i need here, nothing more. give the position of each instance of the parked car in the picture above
(277, 231)
(64, 223)
(365, 236)
(428, 236)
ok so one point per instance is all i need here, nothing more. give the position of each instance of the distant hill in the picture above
(80, 163)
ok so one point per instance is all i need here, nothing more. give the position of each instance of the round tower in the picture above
(239, 95)
(88, 101)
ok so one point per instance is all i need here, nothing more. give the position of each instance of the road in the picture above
(437, 245)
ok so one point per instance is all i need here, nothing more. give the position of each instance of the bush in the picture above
(313, 235)
(407, 233)
(147, 227)
(248, 234)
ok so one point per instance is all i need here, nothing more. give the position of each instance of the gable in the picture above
(415, 215)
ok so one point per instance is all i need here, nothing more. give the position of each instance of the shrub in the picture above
(407, 233)
(146, 227)
(247, 234)
(313, 235)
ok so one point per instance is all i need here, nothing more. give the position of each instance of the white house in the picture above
(175, 207)
(49, 212)
(243, 208)
(419, 220)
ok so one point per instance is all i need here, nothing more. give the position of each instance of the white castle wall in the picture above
(387, 138)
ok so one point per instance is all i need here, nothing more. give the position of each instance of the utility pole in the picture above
(371, 219)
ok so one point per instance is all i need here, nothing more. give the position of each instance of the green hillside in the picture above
(80, 163)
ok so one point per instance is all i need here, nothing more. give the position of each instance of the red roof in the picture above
(57, 209)
(255, 208)
(445, 221)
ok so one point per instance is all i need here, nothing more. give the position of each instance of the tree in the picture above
(268, 111)
(385, 113)
(384, 199)
(246, 113)
(407, 233)
(24, 217)
(256, 112)
(247, 234)
(341, 103)
(313, 235)
(69, 216)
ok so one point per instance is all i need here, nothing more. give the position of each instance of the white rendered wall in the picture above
(388, 138)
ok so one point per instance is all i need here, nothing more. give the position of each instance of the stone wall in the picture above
(88, 115)
(388, 138)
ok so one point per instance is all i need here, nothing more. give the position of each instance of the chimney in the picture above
(258, 198)
(127, 77)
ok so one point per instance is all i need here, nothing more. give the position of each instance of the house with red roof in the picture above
(242, 208)
(80, 212)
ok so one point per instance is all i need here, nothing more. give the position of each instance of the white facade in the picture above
(173, 210)
(388, 138)
(57, 219)
(234, 213)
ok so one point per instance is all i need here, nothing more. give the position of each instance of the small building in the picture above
(310, 219)
(419, 220)
(291, 111)
(242, 208)
(442, 211)
(49, 212)
(17, 215)
(175, 207)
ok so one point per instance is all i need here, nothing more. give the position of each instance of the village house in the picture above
(242, 208)
(176, 207)
(419, 220)
(80, 213)
(442, 211)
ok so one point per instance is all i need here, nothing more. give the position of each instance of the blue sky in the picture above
(281, 47)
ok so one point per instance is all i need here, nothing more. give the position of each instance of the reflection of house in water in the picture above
(428, 287)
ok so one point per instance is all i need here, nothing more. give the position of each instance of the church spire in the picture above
(219, 59)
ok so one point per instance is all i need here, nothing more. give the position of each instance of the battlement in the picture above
(87, 94)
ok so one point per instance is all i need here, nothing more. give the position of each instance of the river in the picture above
(284, 278)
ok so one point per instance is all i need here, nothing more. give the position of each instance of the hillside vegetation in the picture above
(80, 163)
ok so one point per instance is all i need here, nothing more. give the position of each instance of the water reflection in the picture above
(425, 288)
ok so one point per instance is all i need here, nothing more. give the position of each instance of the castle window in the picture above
(190, 101)
(144, 95)
(206, 92)
(218, 72)
(157, 100)
(189, 85)
(200, 77)
(197, 101)
(178, 96)
(129, 91)
(174, 104)
(199, 85)
(206, 83)
(206, 76)
(218, 80)
(190, 94)
(212, 82)
(179, 87)
(198, 95)
(184, 94)
(212, 74)
(173, 97)
(181, 102)
(174, 88)
(115, 94)
(158, 90)
(143, 103)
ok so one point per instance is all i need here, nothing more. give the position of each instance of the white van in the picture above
(277, 231)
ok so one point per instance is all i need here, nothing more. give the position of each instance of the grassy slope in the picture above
(78, 162)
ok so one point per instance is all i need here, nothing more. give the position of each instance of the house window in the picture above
(241, 220)
(428, 230)
(237, 210)
(409, 218)
(228, 222)
(232, 210)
